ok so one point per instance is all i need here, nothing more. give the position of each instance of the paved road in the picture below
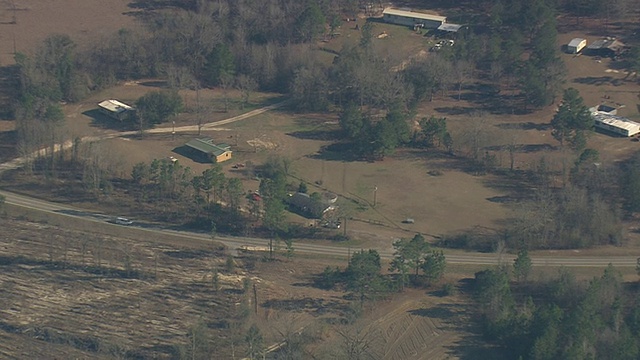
(310, 248)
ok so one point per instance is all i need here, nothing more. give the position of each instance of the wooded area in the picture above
(561, 318)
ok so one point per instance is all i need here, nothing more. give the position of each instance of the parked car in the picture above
(123, 221)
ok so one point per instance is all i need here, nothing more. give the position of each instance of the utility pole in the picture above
(375, 195)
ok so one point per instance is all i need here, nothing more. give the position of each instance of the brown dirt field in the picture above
(68, 310)
(84, 21)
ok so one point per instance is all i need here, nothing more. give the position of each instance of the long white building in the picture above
(616, 124)
(412, 18)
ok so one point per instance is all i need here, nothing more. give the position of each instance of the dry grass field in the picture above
(84, 294)
(65, 311)
(26, 23)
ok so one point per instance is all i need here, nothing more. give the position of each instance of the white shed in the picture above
(576, 45)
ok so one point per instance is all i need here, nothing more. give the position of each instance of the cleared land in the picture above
(60, 310)
(87, 295)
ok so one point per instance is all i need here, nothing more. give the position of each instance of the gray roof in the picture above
(449, 27)
(612, 44)
(308, 205)
(575, 42)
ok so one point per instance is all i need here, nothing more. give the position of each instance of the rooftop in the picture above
(608, 43)
(449, 27)
(207, 146)
(617, 121)
(413, 14)
(576, 42)
(115, 106)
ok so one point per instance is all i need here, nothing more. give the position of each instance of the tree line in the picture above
(414, 264)
(560, 318)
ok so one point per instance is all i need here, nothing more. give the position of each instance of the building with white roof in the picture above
(616, 124)
(412, 18)
(116, 109)
(576, 45)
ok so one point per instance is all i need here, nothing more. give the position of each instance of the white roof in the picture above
(449, 27)
(115, 106)
(616, 121)
(576, 42)
(413, 14)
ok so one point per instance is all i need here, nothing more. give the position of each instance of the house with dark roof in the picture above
(607, 47)
(307, 206)
(206, 149)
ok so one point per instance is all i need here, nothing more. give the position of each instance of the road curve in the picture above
(234, 242)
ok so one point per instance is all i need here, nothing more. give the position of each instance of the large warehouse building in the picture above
(412, 18)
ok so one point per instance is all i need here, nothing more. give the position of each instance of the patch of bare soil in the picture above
(420, 326)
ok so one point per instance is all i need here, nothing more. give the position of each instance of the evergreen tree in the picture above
(572, 119)
(522, 265)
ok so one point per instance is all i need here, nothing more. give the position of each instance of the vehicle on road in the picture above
(123, 221)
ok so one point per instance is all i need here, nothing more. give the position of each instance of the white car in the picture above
(123, 221)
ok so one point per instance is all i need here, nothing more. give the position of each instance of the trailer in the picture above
(576, 45)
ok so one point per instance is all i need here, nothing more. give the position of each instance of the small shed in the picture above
(576, 45)
(449, 28)
(412, 18)
(604, 109)
(116, 109)
(205, 148)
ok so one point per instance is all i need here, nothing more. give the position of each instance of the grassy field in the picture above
(67, 306)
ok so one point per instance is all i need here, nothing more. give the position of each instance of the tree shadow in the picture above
(35, 265)
(524, 148)
(150, 5)
(457, 110)
(100, 120)
(599, 80)
(315, 306)
(488, 98)
(324, 135)
(8, 145)
(339, 151)
(155, 83)
(525, 126)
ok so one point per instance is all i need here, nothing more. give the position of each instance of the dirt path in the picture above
(18, 162)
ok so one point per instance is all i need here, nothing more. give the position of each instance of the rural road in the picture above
(302, 247)
(309, 248)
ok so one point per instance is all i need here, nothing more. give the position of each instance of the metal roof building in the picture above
(449, 27)
(616, 124)
(412, 18)
(605, 47)
(205, 147)
(116, 109)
